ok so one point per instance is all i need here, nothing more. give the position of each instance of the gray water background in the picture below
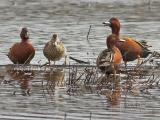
(140, 19)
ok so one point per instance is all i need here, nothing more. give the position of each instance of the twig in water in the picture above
(88, 33)
(65, 116)
(88, 36)
(90, 116)
(79, 61)
(138, 66)
(149, 4)
(44, 64)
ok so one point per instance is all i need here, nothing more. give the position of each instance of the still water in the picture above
(140, 19)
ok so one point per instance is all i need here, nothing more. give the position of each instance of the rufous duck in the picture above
(130, 48)
(22, 52)
(109, 59)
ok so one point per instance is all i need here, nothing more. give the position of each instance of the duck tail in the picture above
(146, 52)
(145, 46)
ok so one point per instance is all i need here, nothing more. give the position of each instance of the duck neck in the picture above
(55, 41)
(24, 40)
(116, 31)
(110, 47)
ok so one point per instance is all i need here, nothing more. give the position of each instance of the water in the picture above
(140, 19)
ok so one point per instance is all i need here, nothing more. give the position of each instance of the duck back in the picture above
(104, 61)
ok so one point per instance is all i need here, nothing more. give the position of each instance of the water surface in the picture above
(140, 19)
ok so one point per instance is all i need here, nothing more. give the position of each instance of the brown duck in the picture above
(22, 52)
(109, 59)
(130, 48)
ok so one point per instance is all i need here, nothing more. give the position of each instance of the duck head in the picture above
(114, 24)
(24, 34)
(55, 38)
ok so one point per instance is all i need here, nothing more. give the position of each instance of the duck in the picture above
(129, 47)
(54, 49)
(109, 60)
(22, 52)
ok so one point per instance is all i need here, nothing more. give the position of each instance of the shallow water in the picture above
(44, 93)
(71, 19)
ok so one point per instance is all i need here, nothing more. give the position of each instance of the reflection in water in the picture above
(110, 88)
(54, 78)
(23, 78)
(114, 95)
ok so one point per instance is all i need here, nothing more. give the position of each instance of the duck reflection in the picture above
(111, 89)
(23, 78)
(54, 78)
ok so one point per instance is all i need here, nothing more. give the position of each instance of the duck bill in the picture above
(106, 23)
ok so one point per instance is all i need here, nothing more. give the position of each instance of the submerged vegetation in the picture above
(80, 78)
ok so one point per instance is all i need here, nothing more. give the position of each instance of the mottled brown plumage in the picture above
(109, 59)
(23, 52)
(54, 50)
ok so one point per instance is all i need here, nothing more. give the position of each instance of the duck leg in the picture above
(125, 64)
(139, 61)
(114, 76)
(49, 62)
(65, 60)
(114, 73)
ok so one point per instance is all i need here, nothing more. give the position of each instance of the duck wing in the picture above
(142, 44)
(104, 60)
